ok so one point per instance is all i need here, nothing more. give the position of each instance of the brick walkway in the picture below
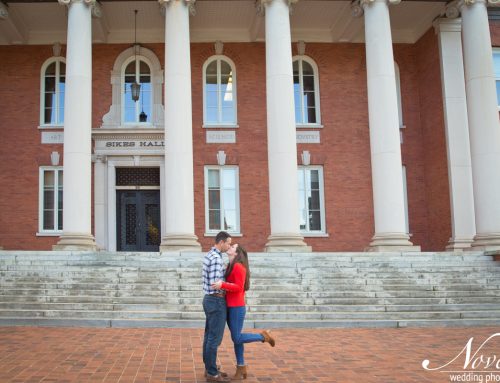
(37, 354)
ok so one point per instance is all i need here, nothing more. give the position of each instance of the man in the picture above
(214, 305)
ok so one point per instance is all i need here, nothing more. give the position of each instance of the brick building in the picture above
(356, 125)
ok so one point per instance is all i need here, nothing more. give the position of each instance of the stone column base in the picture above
(486, 242)
(286, 243)
(391, 242)
(180, 242)
(459, 245)
(75, 242)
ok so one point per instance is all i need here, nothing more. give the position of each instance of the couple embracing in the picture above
(224, 300)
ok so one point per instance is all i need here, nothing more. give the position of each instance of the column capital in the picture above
(4, 11)
(358, 6)
(189, 3)
(454, 8)
(261, 4)
(444, 24)
(95, 6)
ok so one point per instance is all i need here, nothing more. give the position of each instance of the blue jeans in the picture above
(215, 312)
(235, 319)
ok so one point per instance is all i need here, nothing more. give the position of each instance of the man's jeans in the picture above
(235, 319)
(215, 312)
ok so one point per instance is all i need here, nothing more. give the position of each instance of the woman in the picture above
(237, 278)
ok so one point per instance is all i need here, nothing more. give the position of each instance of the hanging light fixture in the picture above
(135, 87)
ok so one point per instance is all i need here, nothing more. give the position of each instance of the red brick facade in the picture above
(344, 150)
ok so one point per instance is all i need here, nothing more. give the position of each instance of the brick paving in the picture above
(44, 354)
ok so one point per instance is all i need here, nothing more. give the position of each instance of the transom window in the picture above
(311, 199)
(496, 63)
(53, 85)
(219, 96)
(222, 206)
(306, 91)
(140, 111)
(51, 199)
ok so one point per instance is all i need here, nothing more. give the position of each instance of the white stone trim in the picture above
(107, 216)
(114, 118)
(50, 60)
(317, 97)
(220, 124)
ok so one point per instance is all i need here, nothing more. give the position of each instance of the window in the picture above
(405, 194)
(222, 206)
(140, 111)
(51, 200)
(306, 91)
(496, 63)
(53, 84)
(219, 95)
(311, 199)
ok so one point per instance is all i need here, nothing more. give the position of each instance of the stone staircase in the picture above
(288, 290)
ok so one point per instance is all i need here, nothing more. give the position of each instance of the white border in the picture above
(322, 232)
(57, 60)
(41, 231)
(310, 61)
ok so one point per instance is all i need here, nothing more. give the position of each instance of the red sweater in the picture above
(235, 286)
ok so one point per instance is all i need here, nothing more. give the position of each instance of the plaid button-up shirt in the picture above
(213, 270)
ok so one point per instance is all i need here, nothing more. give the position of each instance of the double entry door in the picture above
(138, 220)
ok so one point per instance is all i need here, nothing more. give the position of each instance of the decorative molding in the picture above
(221, 157)
(96, 10)
(261, 5)
(301, 47)
(4, 11)
(56, 49)
(67, 2)
(453, 9)
(443, 24)
(219, 47)
(189, 3)
(358, 6)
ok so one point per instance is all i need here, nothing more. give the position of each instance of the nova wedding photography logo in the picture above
(483, 365)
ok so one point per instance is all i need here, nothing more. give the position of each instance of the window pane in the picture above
(61, 116)
(496, 63)
(48, 199)
(213, 179)
(225, 68)
(314, 179)
(62, 69)
(48, 179)
(307, 68)
(295, 69)
(214, 199)
(60, 220)
(309, 100)
(212, 68)
(144, 79)
(51, 70)
(229, 220)
(498, 92)
(211, 99)
(130, 70)
(308, 83)
(313, 200)
(214, 220)
(48, 220)
(61, 179)
(298, 115)
(229, 199)
(311, 115)
(229, 178)
(228, 115)
(50, 84)
(314, 221)
(49, 116)
(211, 115)
(302, 219)
(144, 68)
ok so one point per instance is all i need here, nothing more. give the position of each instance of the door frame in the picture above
(105, 184)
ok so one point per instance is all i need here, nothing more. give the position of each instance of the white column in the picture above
(484, 125)
(463, 226)
(100, 192)
(77, 129)
(281, 136)
(387, 175)
(179, 195)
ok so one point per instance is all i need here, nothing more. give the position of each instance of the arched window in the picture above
(53, 81)
(137, 69)
(306, 91)
(219, 94)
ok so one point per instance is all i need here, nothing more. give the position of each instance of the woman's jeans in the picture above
(215, 312)
(235, 319)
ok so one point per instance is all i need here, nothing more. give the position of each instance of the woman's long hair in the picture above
(241, 257)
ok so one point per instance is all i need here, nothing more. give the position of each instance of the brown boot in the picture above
(224, 375)
(268, 338)
(241, 373)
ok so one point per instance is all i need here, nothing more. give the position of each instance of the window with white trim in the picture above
(137, 69)
(306, 91)
(496, 68)
(311, 199)
(51, 199)
(398, 92)
(219, 93)
(222, 205)
(52, 87)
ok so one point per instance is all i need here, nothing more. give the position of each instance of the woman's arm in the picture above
(239, 274)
